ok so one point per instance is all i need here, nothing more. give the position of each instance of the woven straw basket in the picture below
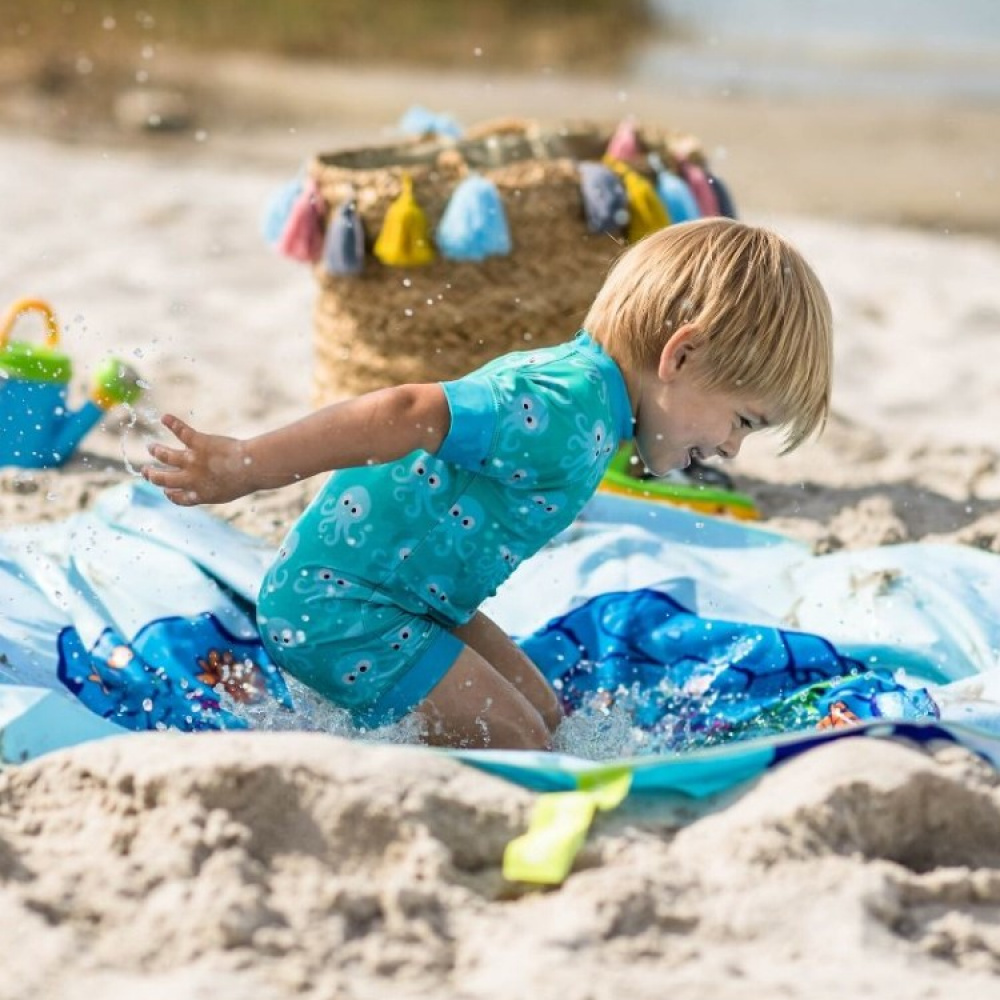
(389, 325)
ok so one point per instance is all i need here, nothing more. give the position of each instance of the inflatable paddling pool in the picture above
(665, 631)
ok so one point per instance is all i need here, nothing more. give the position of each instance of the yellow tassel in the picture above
(405, 239)
(646, 213)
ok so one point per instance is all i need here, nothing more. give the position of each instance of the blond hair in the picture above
(763, 323)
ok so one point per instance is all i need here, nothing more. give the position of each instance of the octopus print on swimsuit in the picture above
(343, 517)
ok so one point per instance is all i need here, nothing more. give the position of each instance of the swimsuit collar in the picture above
(621, 407)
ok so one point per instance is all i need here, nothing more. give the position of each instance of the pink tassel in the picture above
(624, 144)
(705, 198)
(302, 237)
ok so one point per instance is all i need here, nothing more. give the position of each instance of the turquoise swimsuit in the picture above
(388, 559)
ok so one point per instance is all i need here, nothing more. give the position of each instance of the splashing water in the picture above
(599, 731)
(133, 417)
(149, 417)
(314, 714)
(667, 719)
(608, 725)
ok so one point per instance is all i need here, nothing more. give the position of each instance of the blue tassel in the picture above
(474, 224)
(419, 121)
(278, 208)
(344, 246)
(674, 193)
(605, 203)
(726, 206)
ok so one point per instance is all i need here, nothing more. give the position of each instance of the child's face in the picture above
(677, 419)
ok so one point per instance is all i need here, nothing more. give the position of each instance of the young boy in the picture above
(703, 333)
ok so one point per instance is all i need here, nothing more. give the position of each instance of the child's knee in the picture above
(551, 710)
(528, 732)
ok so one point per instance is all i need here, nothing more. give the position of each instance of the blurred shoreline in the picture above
(927, 164)
(900, 50)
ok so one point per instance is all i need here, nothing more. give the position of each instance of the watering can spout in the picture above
(74, 425)
(114, 383)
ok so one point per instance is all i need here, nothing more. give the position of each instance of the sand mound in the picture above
(867, 855)
(868, 800)
(160, 852)
(294, 864)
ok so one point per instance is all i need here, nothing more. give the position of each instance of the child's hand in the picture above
(208, 469)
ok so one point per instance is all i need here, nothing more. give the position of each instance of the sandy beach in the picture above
(277, 865)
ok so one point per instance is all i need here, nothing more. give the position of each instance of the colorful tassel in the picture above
(677, 196)
(605, 205)
(302, 237)
(278, 209)
(624, 144)
(722, 195)
(697, 180)
(474, 224)
(404, 240)
(419, 121)
(344, 246)
(646, 213)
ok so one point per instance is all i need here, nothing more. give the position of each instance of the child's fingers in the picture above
(183, 498)
(185, 433)
(168, 479)
(177, 457)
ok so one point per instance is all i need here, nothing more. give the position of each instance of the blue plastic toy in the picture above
(37, 428)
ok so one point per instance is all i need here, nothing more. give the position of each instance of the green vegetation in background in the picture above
(572, 34)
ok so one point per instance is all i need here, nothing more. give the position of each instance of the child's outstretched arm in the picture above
(378, 427)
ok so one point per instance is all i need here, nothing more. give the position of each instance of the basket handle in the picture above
(22, 306)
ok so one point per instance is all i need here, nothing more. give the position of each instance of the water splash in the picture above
(133, 417)
(149, 417)
(601, 730)
(667, 719)
(312, 713)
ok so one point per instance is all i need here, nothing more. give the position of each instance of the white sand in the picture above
(276, 865)
(272, 865)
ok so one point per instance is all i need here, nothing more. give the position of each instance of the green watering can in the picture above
(37, 428)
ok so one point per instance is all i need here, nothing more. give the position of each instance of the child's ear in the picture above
(677, 352)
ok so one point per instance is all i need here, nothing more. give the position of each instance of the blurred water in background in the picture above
(891, 49)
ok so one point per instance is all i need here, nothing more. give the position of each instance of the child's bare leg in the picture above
(500, 651)
(474, 707)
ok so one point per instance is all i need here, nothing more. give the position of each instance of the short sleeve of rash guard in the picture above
(516, 414)
(474, 405)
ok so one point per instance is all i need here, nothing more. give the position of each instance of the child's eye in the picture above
(746, 424)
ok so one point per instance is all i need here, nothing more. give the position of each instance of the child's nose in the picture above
(730, 448)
